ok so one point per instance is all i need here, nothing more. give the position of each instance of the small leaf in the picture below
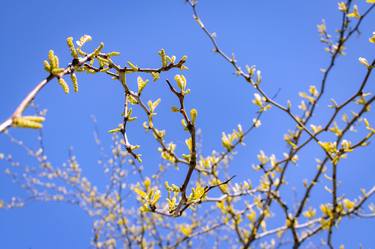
(141, 84)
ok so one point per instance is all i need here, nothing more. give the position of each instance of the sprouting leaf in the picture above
(155, 76)
(83, 40)
(141, 84)
(140, 192)
(193, 115)
(153, 105)
(181, 81)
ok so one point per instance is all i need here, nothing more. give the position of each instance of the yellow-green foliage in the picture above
(205, 201)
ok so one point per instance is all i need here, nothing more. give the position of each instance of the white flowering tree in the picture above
(209, 208)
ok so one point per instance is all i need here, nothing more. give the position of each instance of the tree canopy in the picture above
(230, 125)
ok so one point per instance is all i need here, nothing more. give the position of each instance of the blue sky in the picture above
(280, 37)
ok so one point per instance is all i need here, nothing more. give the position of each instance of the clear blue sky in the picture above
(280, 37)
